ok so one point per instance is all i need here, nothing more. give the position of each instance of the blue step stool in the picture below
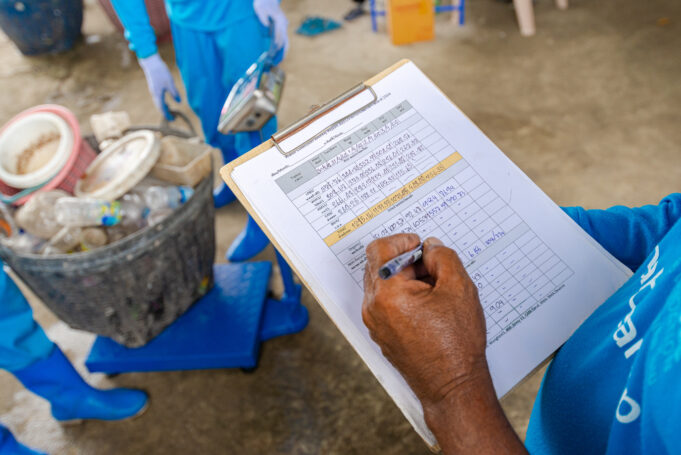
(222, 330)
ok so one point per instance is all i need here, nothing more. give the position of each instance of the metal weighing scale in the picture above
(255, 97)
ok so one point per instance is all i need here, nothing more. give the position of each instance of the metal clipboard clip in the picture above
(280, 136)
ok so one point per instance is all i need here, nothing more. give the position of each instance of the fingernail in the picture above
(434, 241)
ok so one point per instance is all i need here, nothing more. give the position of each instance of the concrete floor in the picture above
(588, 108)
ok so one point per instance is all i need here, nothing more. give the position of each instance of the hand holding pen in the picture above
(429, 324)
(401, 262)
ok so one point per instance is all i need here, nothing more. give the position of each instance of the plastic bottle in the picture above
(136, 211)
(37, 216)
(77, 212)
(74, 239)
(66, 240)
(157, 216)
(160, 197)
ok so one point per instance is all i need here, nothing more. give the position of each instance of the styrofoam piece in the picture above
(120, 167)
(33, 149)
(182, 161)
(109, 125)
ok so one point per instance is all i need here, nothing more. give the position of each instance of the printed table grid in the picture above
(513, 287)
(463, 212)
(340, 198)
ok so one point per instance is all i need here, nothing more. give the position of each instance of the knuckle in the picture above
(366, 317)
(431, 242)
(446, 254)
(385, 247)
(373, 246)
(438, 251)
(378, 249)
(411, 237)
(473, 290)
(458, 287)
(382, 303)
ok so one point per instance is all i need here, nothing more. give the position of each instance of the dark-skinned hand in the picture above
(427, 319)
(429, 324)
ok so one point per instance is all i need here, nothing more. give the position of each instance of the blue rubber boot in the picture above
(10, 446)
(222, 196)
(72, 399)
(251, 241)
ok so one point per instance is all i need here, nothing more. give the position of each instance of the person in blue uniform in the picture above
(215, 42)
(39, 364)
(612, 388)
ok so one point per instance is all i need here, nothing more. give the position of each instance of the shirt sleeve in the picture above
(627, 233)
(138, 31)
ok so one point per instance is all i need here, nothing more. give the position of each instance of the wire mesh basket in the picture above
(131, 289)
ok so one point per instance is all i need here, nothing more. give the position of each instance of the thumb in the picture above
(280, 32)
(440, 262)
(164, 107)
(173, 91)
(262, 16)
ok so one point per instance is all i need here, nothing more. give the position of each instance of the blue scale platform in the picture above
(222, 330)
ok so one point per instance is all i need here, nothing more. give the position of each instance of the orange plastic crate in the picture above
(410, 21)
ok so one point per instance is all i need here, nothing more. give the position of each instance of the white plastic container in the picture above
(119, 167)
(34, 149)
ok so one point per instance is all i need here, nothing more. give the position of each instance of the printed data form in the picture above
(412, 162)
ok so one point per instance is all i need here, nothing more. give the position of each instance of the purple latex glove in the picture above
(159, 81)
(270, 9)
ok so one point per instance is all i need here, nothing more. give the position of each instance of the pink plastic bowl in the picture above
(81, 155)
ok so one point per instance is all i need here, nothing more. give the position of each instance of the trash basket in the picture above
(132, 289)
(42, 26)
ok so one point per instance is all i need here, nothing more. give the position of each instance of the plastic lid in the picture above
(120, 167)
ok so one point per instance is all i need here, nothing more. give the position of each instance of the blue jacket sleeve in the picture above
(138, 30)
(629, 234)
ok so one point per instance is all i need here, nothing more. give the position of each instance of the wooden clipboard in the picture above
(226, 171)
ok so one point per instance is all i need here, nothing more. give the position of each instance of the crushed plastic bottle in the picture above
(24, 243)
(157, 216)
(75, 239)
(64, 241)
(137, 212)
(161, 197)
(116, 233)
(78, 212)
(93, 238)
(37, 216)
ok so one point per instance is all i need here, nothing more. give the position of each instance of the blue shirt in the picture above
(200, 15)
(615, 385)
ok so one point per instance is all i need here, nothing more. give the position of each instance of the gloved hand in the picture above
(270, 9)
(159, 81)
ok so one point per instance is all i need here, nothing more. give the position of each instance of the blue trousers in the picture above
(22, 341)
(210, 63)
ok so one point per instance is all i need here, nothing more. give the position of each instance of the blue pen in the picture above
(401, 262)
